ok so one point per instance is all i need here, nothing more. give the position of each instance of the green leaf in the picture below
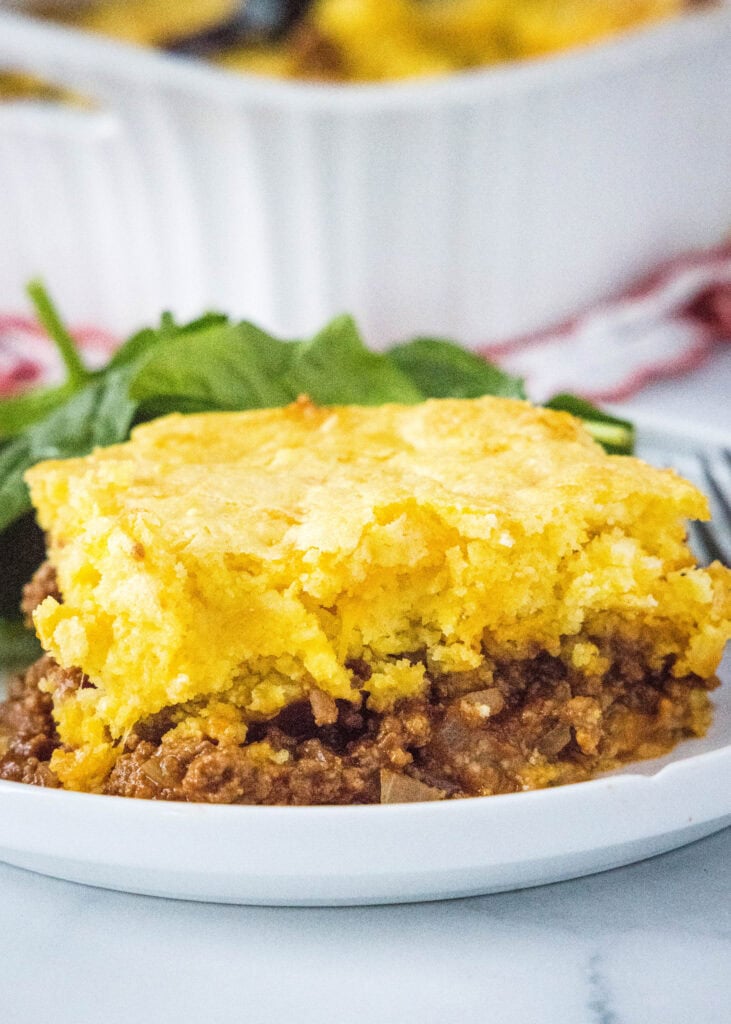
(135, 347)
(615, 435)
(145, 341)
(242, 367)
(49, 317)
(18, 646)
(98, 415)
(336, 368)
(210, 319)
(442, 369)
(20, 411)
(233, 366)
(152, 408)
(15, 458)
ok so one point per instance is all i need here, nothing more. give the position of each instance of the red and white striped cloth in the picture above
(28, 359)
(664, 326)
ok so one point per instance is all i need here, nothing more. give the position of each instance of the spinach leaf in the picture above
(239, 366)
(18, 645)
(143, 342)
(20, 411)
(48, 315)
(225, 366)
(336, 368)
(100, 414)
(15, 458)
(615, 435)
(441, 369)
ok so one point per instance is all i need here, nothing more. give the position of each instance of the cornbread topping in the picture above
(308, 605)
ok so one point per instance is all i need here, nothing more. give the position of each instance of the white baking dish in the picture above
(480, 205)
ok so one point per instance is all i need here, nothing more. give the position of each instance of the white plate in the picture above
(359, 855)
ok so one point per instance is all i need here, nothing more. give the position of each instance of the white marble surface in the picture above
(646, 944)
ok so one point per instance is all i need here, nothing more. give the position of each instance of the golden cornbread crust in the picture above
(334, 605)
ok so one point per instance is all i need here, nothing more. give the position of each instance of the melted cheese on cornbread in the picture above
(245, 558)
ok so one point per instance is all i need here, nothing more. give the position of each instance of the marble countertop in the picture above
(645, 944)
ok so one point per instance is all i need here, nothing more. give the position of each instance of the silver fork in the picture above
(711, 541)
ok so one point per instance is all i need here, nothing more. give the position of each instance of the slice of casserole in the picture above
(318, 605)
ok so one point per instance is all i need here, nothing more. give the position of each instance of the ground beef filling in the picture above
(42, 585)
(524, 725)
(533, 726)
(27, 733)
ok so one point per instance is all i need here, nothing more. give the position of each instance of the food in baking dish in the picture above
(352, 605)
(373, 40)
(363, 40)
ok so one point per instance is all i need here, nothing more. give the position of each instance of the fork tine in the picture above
(697, 544)
(704, 543)
(710, 541)
(713, 484)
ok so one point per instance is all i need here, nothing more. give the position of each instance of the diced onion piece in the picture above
(152, 770)
(402, 789)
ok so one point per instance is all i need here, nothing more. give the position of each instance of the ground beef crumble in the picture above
(42, 585)
(27, 731)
